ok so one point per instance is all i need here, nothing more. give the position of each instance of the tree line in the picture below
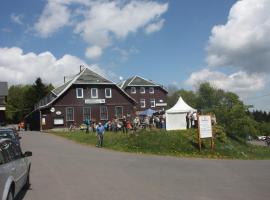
(232, 114)
(22, 99)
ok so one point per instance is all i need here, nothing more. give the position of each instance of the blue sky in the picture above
(172, 42)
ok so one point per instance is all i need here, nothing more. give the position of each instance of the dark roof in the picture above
(59, 89)
(86, 76)
(3, 89)
(90, 77)
(139, 81)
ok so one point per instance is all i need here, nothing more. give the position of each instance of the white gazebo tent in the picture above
(176, 116)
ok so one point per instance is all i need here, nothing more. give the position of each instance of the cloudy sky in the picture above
(181, 43)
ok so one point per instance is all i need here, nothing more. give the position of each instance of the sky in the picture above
(172, 42)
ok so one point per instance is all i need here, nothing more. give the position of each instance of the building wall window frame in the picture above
(94, 93)
(151, 90)
(119, 112)
(152, 103)
(142, 103)
(142, 90)
(86, 113)
(69, 114)
(103, 113)
(108, 93)
(133, 90)
(79, 93)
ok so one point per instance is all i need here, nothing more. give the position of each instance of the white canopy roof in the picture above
(180, 107)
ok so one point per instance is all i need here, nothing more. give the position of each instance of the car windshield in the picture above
(7, 134)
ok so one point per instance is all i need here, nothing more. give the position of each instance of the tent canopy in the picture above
(180, 107)
(176, 116)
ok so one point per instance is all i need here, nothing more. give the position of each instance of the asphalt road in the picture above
(64, 170)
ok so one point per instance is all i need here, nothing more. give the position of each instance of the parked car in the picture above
(11, 134)
(14, 169)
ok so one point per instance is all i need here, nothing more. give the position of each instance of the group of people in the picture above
(125, 125)
(192, 120)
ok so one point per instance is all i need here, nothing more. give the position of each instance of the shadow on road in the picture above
(22, 194)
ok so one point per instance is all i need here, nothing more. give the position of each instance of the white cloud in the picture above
(154, 27)
(18, 67)
(240, 82)
(101, 22)
(243, 42)
(107, 18)
(17, 18)
(93, 52)
(54, 16)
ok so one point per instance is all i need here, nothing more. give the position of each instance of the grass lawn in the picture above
(173, 143)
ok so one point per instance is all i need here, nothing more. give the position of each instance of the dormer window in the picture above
(94, 93)
(79, 93)
(142, 90)
(133, 90)
(151, 90)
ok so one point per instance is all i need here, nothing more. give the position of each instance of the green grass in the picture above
(173, 143)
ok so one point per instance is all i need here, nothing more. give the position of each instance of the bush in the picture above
(220, 133)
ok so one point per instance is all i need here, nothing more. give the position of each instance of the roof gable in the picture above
(90, 77)
(86, 76)
(139, 81)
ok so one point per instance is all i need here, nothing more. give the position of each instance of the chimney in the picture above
(64, 79)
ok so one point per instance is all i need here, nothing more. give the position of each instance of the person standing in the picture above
(100, 133)
(124, 125)
(87, 123)
(194, 115)
(187, 120)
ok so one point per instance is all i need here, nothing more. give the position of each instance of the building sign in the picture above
(58, 121)
(161, 104)
(205, 126)
(94, 101)
(58, 112)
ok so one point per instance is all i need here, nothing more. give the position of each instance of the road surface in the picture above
(64, 170)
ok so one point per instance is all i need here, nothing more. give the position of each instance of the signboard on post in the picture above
(205, 129)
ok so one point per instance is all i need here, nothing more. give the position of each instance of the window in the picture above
(151, 90)
(108, 92)
(2, 160)
(103, 113)
(86, 113)
(17, 151)
(142, 103)
(133, 90)
(152, 103)
(94, 93)
(70, 114)
(10, 151)
(79, 93)
(142, 90)
(119, 112)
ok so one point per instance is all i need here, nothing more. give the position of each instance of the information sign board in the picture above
(205, 126)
